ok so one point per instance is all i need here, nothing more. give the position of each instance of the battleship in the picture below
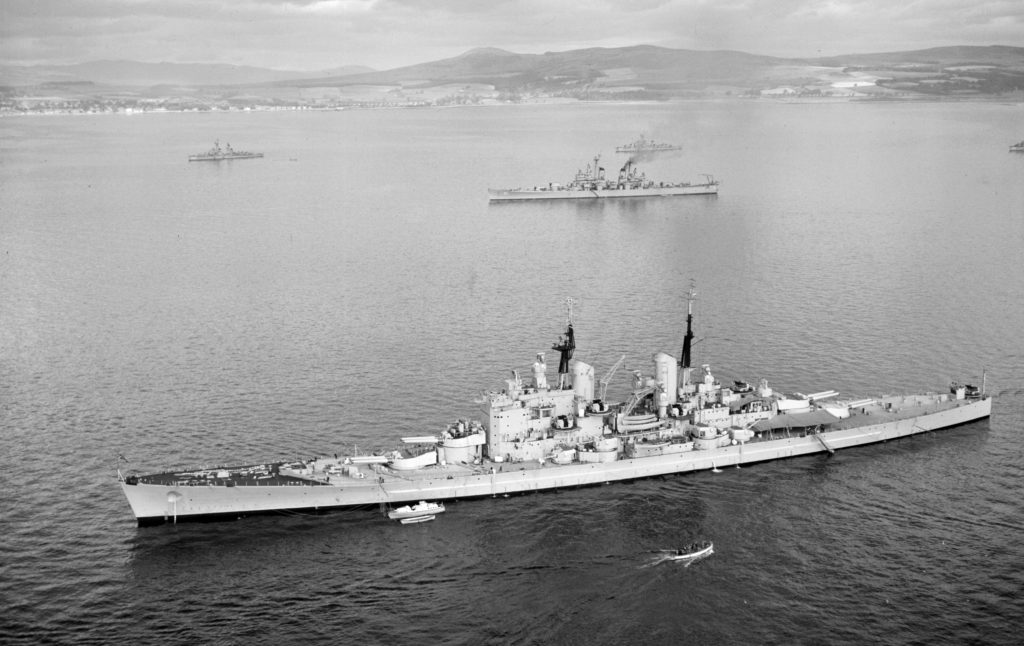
(591, 183)
(219, 154)
(538, 435)
(644, 145)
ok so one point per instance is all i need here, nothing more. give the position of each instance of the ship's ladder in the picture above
(385, 502)
(817, 434)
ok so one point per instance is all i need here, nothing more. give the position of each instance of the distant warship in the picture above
(227, 152)
(592, 183)
(643, 145)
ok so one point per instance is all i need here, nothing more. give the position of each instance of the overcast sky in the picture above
(383, 34)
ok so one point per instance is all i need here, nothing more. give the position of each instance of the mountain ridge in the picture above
(135, 73)
(489, 74)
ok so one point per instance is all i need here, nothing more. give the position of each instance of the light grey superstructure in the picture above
(540, 435)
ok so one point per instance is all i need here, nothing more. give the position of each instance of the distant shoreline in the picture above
(553, 101)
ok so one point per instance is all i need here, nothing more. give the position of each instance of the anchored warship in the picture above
(538, 435)
(219, 154)
(591, 182)
(644, 145)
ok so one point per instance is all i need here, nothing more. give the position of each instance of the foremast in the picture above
(535, 419)
(565, 346)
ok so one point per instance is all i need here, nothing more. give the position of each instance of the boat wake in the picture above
(673, 556)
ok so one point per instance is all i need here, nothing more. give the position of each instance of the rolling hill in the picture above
(641, 72)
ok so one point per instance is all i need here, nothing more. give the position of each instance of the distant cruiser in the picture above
(643, 145)
(218, 154)
(591, 183)
(538, 435)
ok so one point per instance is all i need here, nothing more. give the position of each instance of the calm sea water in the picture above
(355, 285)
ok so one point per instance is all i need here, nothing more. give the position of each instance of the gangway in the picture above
(828, 448)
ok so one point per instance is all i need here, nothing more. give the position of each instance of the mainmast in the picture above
(684, 360)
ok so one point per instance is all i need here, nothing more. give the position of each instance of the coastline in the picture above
(812, 98)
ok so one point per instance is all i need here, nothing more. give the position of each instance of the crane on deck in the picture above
(606, 379)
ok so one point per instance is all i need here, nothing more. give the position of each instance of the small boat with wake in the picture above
(691, 551)
(421, 512)
(1017, 147)
(688, 554)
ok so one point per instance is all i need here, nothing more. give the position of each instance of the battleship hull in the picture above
(882, 420)
(217, 158)
(497, 195)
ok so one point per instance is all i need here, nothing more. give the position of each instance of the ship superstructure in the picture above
(538, 434)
